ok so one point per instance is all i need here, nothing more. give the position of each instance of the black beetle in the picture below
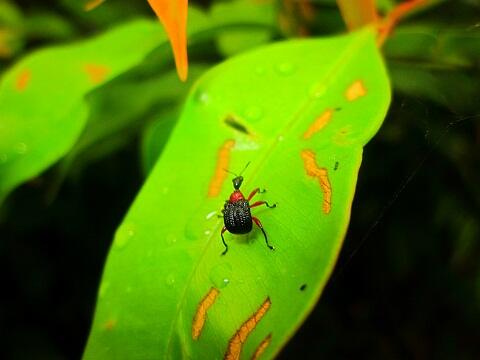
(236, 213)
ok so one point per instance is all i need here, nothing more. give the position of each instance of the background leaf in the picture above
(53, 83)
(162, 264)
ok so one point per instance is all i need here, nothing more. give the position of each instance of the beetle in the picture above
(237, 217)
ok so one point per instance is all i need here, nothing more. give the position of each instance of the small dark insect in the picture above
(236, 212)
(336, 166)
(303, 287)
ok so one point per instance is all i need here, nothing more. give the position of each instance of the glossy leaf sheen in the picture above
(165, 257)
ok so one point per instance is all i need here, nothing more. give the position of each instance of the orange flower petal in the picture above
(173, 15)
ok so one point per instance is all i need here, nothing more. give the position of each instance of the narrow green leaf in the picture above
(300, 112)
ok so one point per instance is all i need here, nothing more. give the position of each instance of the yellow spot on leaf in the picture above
(97, 73)
(201, 314)
(321, 174)
(355, 91)
(261, 348)
(23, 79)
(235, 344)
(92, 4)
(220, 174)
(173, 16)
(318, 124)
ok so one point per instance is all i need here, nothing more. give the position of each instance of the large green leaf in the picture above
(269, 107)
(42, 106)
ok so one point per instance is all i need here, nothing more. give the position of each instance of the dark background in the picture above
(407, 283)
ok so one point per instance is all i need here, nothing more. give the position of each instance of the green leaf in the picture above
(233, 41)
(155, 137)
(262, 107)
(42, 106)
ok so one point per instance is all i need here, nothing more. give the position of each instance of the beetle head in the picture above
(237, 182)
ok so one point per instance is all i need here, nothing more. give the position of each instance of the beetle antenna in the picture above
(245, 168)
(231, 172)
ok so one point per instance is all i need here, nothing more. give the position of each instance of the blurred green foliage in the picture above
(408, 282)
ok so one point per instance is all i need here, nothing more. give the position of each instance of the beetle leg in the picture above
(223, 240)
(259, 224)
(258, 203)
(254, 192)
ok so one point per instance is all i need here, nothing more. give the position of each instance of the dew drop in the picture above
(3, 158)
(220, 275)
(21, 148)
(124, 233)
(170, 280)
(254, 113)
(211, 214)
(202, 97)
(171, 239)
(103, 289)
(317, 90)
(285, 68)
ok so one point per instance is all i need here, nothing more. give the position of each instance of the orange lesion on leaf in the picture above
(321, 174)
(96, 73)
(173, 16)
(261, 348)
(356, 90)
(222, 163)
(235, 344)
(318, 124)
(92, 4)
(201, 314)
(110, 324)
(23, 79)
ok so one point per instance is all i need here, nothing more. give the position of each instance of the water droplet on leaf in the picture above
(317, 90)
(202, 97)
(220, 275)
(124, 233)
(254, 113)
(170, 279)
(103, 288)
(171, 239)
(285, 68)
(211, 214)
(21, 148)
